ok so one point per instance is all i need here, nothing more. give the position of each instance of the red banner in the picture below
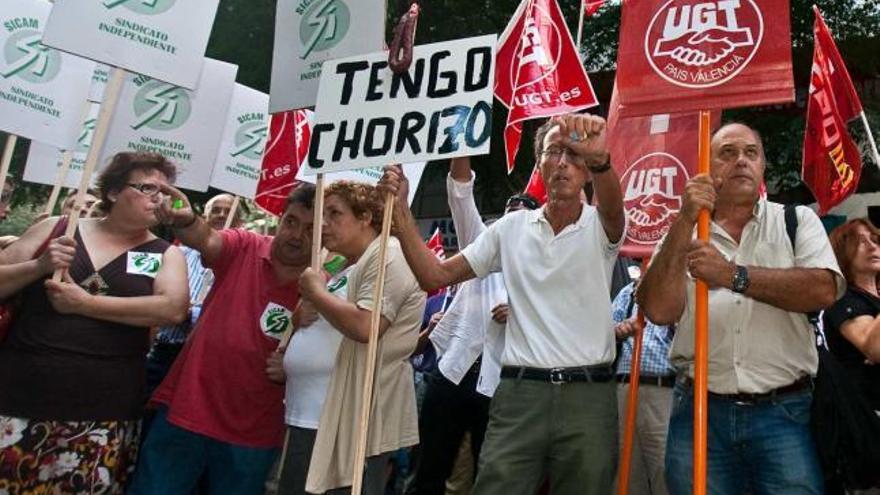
(654, 156)
(286, 149)
(435, 244)
(688, 55)
(592, 6)
(538, 72)
(831, 164)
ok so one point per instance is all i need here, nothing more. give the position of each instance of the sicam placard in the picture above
(687, 55)
(163, 39)
(367, 116)
(42, 90)
(185, 126)
(239, 158)
(44, 160)
(310, 32)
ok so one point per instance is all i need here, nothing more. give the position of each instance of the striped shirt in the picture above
(656, 340)
(200, 281)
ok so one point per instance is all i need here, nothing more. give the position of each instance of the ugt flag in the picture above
(286, 149)
(435, 244)
(689, 55)
(538, 72)
(831, 164)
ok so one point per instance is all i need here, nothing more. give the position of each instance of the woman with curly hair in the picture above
(72, 369)
(352, 222)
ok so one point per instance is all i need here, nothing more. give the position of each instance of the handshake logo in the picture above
(653, 185)
(699, 44)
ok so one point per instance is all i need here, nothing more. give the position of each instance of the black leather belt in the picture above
(799, 385)
(559, 376)
(667, 381)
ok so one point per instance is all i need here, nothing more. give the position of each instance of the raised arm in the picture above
(460, 195)
(166, 306)
(430, 272)
(190, 228)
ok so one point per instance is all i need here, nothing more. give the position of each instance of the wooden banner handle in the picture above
(632, 403)
(8, 150)
(701, 333)
(232, 211)
(360, 452)
(111, 97)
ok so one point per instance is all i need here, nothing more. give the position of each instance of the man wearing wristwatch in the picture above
(762, 348)
(554, 412)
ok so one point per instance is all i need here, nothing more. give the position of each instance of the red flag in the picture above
(286, 148)
(592, 6)
(654, 156)
(538, 72)
(435, 244)
(687, 55)
(831, 164)
(535, 188)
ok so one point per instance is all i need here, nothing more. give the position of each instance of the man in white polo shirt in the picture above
(555, 411)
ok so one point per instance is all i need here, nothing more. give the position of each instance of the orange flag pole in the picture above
(701, 337)
(632, 402)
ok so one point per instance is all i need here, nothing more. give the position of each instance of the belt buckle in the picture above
(557, 376)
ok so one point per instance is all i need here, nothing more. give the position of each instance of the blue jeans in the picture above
(172, 459)
(759, 449)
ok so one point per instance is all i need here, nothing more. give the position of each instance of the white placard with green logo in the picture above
(368, 116)
(185, 126)
(99, 82)
(239, 159)
(44, 160)
(310, 32)
(41, 89)
(163, 39)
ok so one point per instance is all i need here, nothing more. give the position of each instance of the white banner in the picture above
(441, 108)
(43, 159)
(239, 159)
(99, 82)
(41, 90)
(185, 126)
(413, 172)
(163, 39)
(310, 32)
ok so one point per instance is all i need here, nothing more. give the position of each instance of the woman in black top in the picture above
(72, 369)
(852, 327)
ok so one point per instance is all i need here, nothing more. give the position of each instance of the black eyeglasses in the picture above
(521, 202)
(553, 155)
(150, 190)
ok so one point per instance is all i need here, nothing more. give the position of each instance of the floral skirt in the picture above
(66, 457)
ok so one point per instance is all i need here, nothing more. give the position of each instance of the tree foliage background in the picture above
(244, 29)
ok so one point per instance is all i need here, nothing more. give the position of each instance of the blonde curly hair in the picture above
(361, 198)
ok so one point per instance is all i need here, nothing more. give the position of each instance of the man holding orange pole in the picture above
(762, 351)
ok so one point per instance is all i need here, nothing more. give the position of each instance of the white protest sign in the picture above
(310, 32)
(41, 90)
(44, 160)
(413, 172)
(441, 108)
(239, 158)
(163, 39)
(185, 126)
(99, 82)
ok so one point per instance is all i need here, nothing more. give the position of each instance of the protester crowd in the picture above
(222, 363)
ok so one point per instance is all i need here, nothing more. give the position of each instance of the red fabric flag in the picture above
(688, 55)
(535, 188)
(538, 72)
(654, 156)
(831, 164)
(592, 6)
(286, 149)
(435, 244)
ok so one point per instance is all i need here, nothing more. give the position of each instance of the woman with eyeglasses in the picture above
(352, 221)
(72, 368)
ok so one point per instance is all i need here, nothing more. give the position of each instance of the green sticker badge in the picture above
(140, 263)
(275, 320)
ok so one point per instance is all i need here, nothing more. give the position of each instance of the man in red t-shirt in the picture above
(218, 411)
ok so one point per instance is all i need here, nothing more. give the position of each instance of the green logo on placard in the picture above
(145, 7)
(146, 264)
(250, 138)
(29, 59)
(324, 24)
(85, 137)
(276, 320)
(161, 106)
